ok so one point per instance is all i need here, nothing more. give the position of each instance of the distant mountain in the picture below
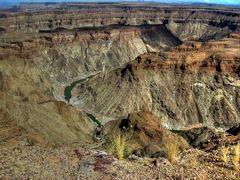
(224, 2)
(7, 3)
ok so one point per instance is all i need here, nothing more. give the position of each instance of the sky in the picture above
(227, 2)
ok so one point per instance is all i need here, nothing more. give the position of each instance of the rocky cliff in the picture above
(60, 63)
(29, 111)
(185, 22)
(70, 55)
(194, 83)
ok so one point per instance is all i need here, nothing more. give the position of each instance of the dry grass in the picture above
(236, 157)
(232, 175)
(119, 144)
(202, 176)
(193, 161)
(224, 154)
(122, 145)
(172, 150)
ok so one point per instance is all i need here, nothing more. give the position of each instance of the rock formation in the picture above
(145, 132)
(185, 22)
(110, 60)
(74, 75)
(29, 111)
(189, 84)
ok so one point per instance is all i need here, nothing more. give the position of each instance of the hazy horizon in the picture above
(226, 2)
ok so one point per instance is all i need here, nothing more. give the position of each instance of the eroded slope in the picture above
(190, 84)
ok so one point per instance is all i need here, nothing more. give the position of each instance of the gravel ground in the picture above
(35, 162)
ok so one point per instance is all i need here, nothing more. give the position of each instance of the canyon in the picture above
(165, 65)
(72, 73)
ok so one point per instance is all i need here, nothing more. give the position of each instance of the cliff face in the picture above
(112, 60)
(29, 111)
(43, 122)
(88, 53)
(185, 23)
(194, 83)
(36, 70)
(68, 56)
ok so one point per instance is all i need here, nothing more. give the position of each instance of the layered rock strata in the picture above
(126, 58)
(190, 84)
(187, 23)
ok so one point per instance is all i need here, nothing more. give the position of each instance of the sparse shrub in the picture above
(236, 157)
(232, 175)
(193, 161)
(146, 153)
(224, 154)
(171, 152)
(202, 176)
(121, 145)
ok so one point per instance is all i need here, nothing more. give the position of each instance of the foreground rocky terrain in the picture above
(25, 160)
(155, 86)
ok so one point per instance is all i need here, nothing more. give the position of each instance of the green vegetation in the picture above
(179, 132)
(119, 146)
(236, 158)
(68, 89)
(94, 119)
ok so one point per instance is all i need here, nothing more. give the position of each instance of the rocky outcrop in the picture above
(190, 84)
(235, 130)
(115, 59)
(199, 137)
(201, 23)
(208, 139)
(145, 133)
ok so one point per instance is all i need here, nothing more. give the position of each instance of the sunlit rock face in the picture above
(89, 52)
(198, 21)
(29, 111)
(194, 83)
(180, 63)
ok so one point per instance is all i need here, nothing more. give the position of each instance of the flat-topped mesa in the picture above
(224, 66)
(50, 39)
(232, 42)
(188, 46)
(223, 57)
(96, 35)
(185, 23)
(27, 44)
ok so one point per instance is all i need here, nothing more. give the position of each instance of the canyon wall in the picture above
(185, 22)
(192, 84)
(116, 59)
(29, 111)
(69, 56)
